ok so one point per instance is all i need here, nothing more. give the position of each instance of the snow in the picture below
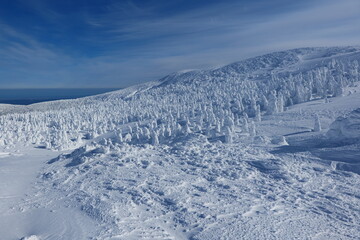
(32, 237)
(346, 128)
(20, 216)
(252, 150)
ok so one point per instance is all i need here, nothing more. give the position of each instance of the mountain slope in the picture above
(235, 152)
(260, 68)
(204, 99)
(197, 187)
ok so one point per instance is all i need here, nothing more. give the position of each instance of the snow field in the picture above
(238, 152)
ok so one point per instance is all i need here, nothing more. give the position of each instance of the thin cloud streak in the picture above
(148, 47)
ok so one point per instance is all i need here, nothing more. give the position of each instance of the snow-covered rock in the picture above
(279, 140)
(32, 237)
(346, 128)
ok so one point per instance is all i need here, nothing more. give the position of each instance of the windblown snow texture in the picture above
(250, 150)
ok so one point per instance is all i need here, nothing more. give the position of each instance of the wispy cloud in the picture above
(137, 43)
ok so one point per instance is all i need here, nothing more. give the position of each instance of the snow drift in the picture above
(346, 128)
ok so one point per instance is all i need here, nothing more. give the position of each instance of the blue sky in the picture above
(108, 43)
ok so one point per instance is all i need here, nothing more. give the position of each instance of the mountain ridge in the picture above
(254, 64)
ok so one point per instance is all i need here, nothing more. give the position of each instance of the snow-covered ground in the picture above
(239, 152)
(18, 173)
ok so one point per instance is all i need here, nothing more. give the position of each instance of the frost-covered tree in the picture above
(317, 124)
(228, 135)
(273, 103)
(252, 129)
(258, 114)
(127, 138)
(244, 125)
(154, 138)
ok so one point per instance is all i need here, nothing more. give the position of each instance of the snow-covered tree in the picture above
(317, 124)
(228, 135)
(258, 114)
(154, 138)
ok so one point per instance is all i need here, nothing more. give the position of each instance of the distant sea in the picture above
(30, 96)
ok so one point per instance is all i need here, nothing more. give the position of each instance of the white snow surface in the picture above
(228, 153)
(346, 128)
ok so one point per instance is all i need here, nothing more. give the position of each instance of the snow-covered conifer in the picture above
(154, 138)
(252, 129)
(317, 124)
(280, 103)
(229, 122)
(258, 114)
(244, 125)
(168, 132)
(228, 135)
(186, 129)
(147, 134)
(273, 103)
(127, 138)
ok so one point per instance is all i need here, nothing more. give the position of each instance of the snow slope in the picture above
(194, 188)
(227, 153)
(18, 173)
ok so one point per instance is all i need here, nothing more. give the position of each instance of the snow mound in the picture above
(279, 140)
(346, 128)
(32, 237)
